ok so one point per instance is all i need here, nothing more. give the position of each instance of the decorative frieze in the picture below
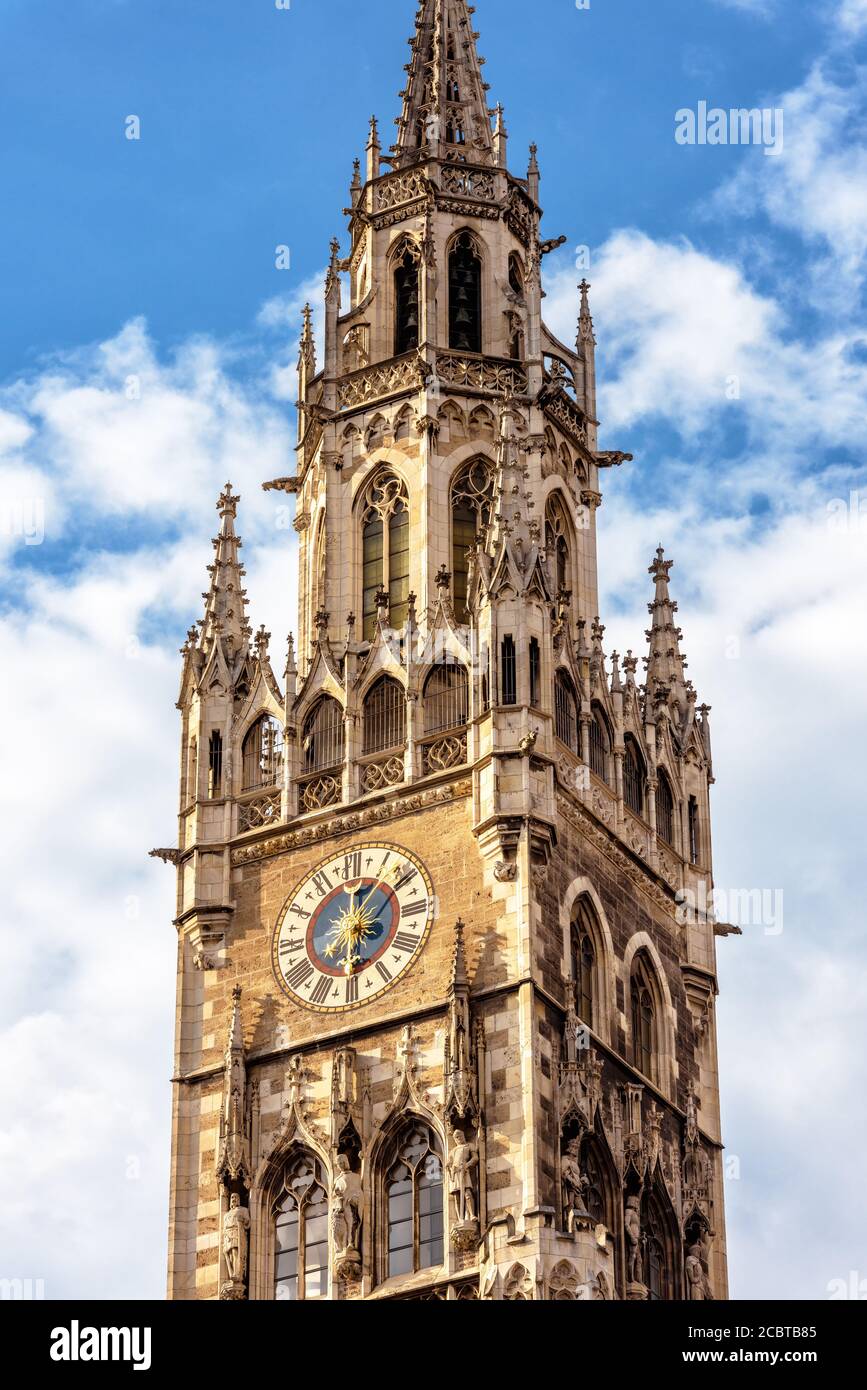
(259, 814)
(482, 374)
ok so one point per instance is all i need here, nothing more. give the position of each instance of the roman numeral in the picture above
(300, 975)
(410, 908)
(322, 990)
(352, 866)
(322, 883)
(299, 912)
(352, 990)
(405, 878)
(289, 948)
(404, 942)
(383, 864)
(383, 970)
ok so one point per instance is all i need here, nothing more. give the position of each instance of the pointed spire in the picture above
(226, 599)
(665, 662)
(355, 186)
(445, 106)
(461, 1099)
(533, 175)
(306, 361)
(585, 319)
(501, 138)
(374, 151)
(460, 981)
(233, 1162)
(332, 279)
(513, 508)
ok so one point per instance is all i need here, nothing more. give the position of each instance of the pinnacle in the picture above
(445, 108)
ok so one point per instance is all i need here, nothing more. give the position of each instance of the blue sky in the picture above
(728, 294)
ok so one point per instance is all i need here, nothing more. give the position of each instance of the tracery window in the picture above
(583, 960)
(301, 1246)
(384, 716)
(694, 832)
(465, 294)
(557, 544)
(471, 503)
(665, 810)
(215, 764)
(633, 778)
(385, 544)
(643, 1018)
(508, 671)
(414, 1198)
(566, 711)
(657, 1273)
(262, 755)
(600, 745)
(446, 698)
(323, 737)
(406, 302)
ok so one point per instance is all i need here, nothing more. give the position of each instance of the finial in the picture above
(227, 505)
(262, 640)
(444, 578)
(534, 163)
(459, 981)
(321, 622)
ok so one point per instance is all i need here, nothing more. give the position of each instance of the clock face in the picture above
(353, 927)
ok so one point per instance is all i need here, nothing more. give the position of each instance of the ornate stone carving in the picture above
(482, 373)
(401, 374)
(385, 774)
(504, 872)
(400, 188)
(444, 753)
(463, 1162)
(518, 1285)
(321, 792)
(697, 1282)
(236, 1227)
(347, 1206)
(259, 814)
(473, 183)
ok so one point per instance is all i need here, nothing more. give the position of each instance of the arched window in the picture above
(633, 778)
(600, 744)
(508, 671)
(406, 301)
(414, 1199)
(665, 810)
(446, 698)
(535, 672)
(657, 1273)
(465, 295)
(516, 273)
(262, 755)
(301, 1247)
(566, 711)
(472, 499)
(557, 544)
(384, 716)
(694, 832)
(323, 737)
(215, 764)
(583, 960)
(643, 1018)
(385, 542)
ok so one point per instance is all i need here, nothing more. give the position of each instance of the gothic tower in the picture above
(445, 1026)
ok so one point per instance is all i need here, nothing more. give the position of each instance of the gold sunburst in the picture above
(352, 930)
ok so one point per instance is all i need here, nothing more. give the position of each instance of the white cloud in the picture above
(852, 17)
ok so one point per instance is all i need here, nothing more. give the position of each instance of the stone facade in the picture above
(529, 1109)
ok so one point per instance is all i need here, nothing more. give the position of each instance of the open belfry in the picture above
(444, 1028)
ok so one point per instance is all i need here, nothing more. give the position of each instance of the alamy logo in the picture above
(76, 1343)
(739, 126)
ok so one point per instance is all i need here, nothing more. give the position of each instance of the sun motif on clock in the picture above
(353, 926)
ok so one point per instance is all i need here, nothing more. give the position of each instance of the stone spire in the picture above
(665, 662)
(461, 1099)
(445, 106)
(233, 1163)
(226, 599)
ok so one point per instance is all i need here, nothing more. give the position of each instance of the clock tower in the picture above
(446, 997)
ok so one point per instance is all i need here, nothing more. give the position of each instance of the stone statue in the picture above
(347, 1208)
(463, 1159)
(574, 1182)
(632, 1222)
(236, 1224)
(697, 1280)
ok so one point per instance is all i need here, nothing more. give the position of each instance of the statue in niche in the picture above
(632, 1222)
(574, 1183)
(463, 1160)
(347, 1208)
(697, 1280)
(236, 1225)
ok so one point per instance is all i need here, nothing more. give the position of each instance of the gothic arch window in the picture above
(643, 1017)
(406, 301)
(465, 294)
(471, 503)
(584, 961)
(301, 1243)
(566, 711)
(446, 698)
(319, 566)
(262, 755)
(657, 1251)
(385, 551)
(535, 672)
(323, 736)
(633, 777)
(403, 424)
(665, 810)
(414, 1203)
(557, 543)
(694, 832)
(452, 424)
(384, 716)
(516, 273)
(600, 744)
(508, 671)
(215, 764)
(192, 770)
